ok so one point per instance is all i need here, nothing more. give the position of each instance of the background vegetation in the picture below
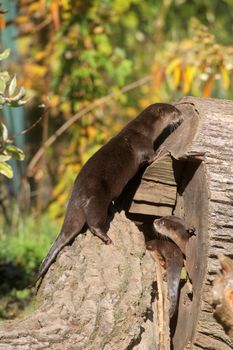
(95, 65)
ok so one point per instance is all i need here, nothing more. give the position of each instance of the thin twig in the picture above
(35, 159)
(12, 137)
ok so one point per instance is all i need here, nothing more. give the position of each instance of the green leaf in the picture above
(22, 102)
(12, 86)
(5, 54)
(4, 157)
(2, 85)
(5, 75)
(3, 132)
(6, 170)
(15, 152)
(2, 101)
(20, 95)
(2, 12)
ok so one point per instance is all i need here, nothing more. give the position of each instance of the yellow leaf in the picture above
(60, 187)
(207, 90)
(53, 101)
(55, 210)
(36, 69)
(65, 4)
(225, 77)
(74, 168)
(91, 131)
(54, 10)
(34, 7)
(21, 19)
(176, 75)
(40, 55)
(2, 22)
(65, 107)
(132, 112)
(188, 76)
(42, 7)
(62, 198)
(171, 66)
(143, 102)
(145, 89)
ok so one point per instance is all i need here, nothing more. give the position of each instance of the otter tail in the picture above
(70, 229)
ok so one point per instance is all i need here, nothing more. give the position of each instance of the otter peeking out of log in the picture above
(174, 228)
(172, 251)
(104, 176)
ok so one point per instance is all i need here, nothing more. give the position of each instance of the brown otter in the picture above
(174, 262)
(174, 228)
(103, 177)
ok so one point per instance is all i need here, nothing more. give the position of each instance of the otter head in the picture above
(169, 115)
(161, 120)
(173, 227)
(170, 226)
(165, 118)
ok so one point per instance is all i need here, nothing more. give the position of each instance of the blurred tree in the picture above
(74, 52)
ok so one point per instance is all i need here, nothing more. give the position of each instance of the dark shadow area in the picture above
(14, 295)
(125, 199)
(12, 276)
(184, 171)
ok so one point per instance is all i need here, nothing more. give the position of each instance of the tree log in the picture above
(92, 297)
(104, 297)
(208, 200)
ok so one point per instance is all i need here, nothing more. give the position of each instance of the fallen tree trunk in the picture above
(104, 297)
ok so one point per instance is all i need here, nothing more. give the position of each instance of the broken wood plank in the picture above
(147, 209)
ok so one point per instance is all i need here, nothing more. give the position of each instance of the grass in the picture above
(23, 245)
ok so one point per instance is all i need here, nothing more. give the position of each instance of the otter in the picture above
(174, 228)
(171, 227)
(104, 176)
(174, 262)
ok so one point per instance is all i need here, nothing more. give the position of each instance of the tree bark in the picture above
(92, 297)
(104, 297)
(208, 199)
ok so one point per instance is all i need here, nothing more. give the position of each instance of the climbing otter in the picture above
(103, 177)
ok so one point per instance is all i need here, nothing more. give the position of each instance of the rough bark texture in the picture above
(94, 297)
(104, 297)
(215, 137)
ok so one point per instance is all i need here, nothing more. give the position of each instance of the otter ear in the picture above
(158, 110)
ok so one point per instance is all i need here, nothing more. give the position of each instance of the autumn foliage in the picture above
(75, 52)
